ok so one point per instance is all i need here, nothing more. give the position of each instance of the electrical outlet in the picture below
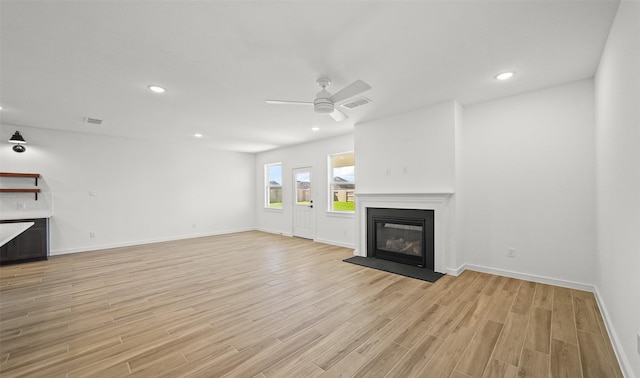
(511, 252)
(92, 235)
(21, 205)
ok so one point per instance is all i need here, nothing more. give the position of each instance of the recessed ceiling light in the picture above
(157, 89)
(505, 75)
(197, 135)
(315, 128)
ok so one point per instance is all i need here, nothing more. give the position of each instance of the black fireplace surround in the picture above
(402, 235)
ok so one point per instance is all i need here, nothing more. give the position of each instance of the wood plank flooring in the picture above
(259, 305)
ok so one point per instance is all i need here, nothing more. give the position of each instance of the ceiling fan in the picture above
(325, 101)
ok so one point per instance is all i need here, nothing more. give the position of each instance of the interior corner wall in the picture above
(331, 228)
(132, 192)
(411, 152)
(527, 181)
(457, 255)
(617, 93)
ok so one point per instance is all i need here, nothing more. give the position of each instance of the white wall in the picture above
(412, 152)
(143, 191)
(331, 228)
(618, 183)
(527, 182)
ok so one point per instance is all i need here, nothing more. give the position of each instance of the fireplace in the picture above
(402, 235)
(439, 203)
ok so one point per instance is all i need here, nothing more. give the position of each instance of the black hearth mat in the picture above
(397, 268)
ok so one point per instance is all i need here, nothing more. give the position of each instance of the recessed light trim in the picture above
(315, 128)
(156, 89)
(505, 75)
(197, 135)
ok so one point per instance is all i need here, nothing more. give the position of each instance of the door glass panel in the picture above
(303, 188)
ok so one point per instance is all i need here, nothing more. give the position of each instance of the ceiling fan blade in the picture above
(350, 90)
(338, 116)
(282, 102)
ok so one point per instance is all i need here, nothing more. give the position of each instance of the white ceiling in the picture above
(219, 60)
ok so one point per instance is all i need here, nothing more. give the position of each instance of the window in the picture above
(273, 185)
(342, 182)
(303, 188)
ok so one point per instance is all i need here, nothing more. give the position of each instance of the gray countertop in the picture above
(21, 214)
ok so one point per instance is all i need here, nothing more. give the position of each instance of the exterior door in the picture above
(304, 221)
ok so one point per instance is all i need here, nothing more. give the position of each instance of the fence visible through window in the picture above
(342, 184)
(273, 185)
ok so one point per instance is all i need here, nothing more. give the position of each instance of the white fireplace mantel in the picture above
(438, 202)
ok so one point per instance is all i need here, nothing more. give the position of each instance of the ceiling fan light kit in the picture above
(324, 102)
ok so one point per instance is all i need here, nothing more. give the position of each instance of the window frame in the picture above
(332, 183)
(268, 187)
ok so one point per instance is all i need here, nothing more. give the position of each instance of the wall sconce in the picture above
(18, 142)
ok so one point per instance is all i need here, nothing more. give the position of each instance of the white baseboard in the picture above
(336, 243)
(182, 237)
(277, 232)
(147, 241)
(620, 355)
(455, 272)
(528, 277)
(319, 240)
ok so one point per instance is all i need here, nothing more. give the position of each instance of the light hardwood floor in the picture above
(260, 305)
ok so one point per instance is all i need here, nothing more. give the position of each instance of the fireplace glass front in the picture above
(401, 235)
(399, 238)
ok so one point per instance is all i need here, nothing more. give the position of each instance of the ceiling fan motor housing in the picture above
(323, 105)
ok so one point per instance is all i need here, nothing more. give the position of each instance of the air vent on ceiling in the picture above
(93, 121)
(356, 102)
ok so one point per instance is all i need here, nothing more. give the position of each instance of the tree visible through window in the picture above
(342, 182)
(273, 181)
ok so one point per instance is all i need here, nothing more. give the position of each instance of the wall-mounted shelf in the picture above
(35, 176)
(35, 191)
